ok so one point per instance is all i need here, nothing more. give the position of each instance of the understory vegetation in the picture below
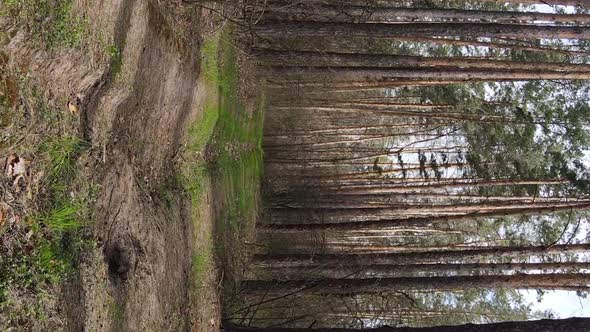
(46, 196)
(223, 156)
(51, 24)
(46, 201)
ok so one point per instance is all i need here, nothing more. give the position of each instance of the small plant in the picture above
(116, 59)
(61, 153)
(51, 23)
(61, 219)
(117, 313)
(200, 264)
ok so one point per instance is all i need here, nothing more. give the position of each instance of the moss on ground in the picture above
(51, 24)
(237, 168)
(227, 137)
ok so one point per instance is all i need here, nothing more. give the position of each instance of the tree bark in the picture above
(382, 270)
(380, 30)
(376, 14)
(346, 220)
(396, 3)
(544, 325)
(422, 257)
(329, 59)
(556, 281)
(329, 75)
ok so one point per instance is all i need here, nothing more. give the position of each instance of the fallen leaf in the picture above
(72, 107)
(73, 104)
(16, 166)
(20, 168)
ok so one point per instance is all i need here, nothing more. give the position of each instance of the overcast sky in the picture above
(563, 303)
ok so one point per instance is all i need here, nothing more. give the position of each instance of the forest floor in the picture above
(131, 138)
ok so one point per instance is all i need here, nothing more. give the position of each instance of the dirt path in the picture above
(147, 240)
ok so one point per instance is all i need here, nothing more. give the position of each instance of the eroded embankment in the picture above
(146, 242)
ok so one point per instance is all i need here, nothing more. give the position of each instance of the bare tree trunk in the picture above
(396, 3)
(422, 257)
(557, 281)
(328, 59)
(380, 30)
(375, 14)
(545, 325)
(356, 74)
(383, 270)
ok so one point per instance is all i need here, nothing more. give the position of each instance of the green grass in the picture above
(116, 57)
(49, 238)
(117, 312)
(50, 23)
(231, 136)
(210, 59)
(60, 153)
(194, 172)
(62, 219)
(201, 131)
(237, 170)
(201, 265)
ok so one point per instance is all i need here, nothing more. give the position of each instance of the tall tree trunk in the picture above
(544, 325)
(557, 281)
(380, 30)
(418, 257)
(357, 74)
(383, 270)
(374, 14)
(420, 218)
(396, 3)
(329, 59)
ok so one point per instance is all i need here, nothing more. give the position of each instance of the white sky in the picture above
(551, 9)
(563, 303)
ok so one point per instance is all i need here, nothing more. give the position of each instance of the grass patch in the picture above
(117, 312)
(224, 149)
(200, 262)
(49, 211)
(237, 169)
(50, 23)
(116, 57)
(201, 131)
(61, 219)
(200, 266)
(60, 154)
(209, 59)
(195, 169)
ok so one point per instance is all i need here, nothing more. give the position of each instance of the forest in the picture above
(295, 165)
(425, 164)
